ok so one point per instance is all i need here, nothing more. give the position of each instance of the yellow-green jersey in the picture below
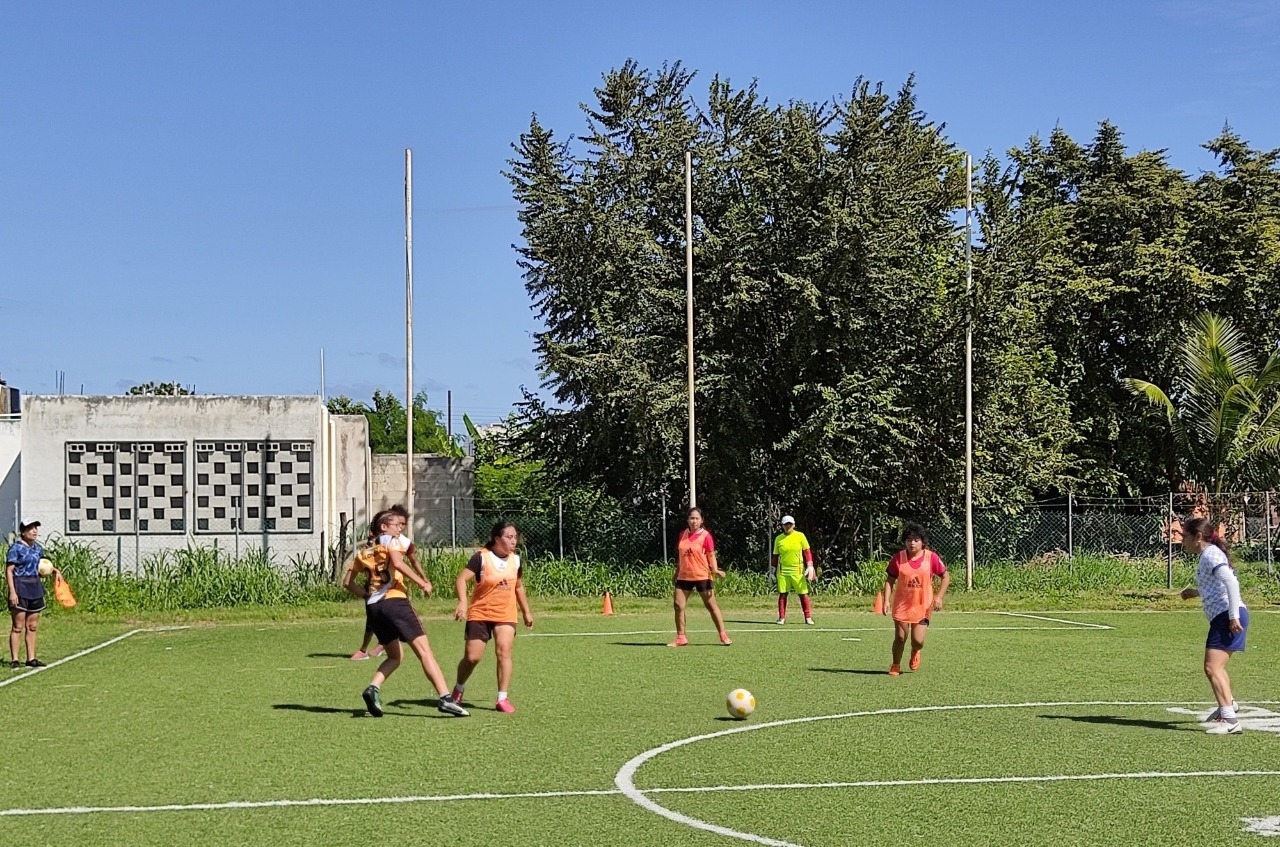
(791, 552)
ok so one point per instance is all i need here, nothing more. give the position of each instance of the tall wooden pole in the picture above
(688, 315)
(968, 373)
(408, 334)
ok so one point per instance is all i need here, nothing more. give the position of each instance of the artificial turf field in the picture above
(1051, 730)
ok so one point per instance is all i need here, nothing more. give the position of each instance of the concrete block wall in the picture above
(339, 469)
(443, 495)
(10, 472)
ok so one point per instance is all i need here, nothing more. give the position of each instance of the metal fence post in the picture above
(665, 556)
(560, 522)
(1071, 539)
(119, 551)
(1270, 565)
(453, 522)
(1168, 578)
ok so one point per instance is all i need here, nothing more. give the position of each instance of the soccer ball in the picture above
(45, 568)
(741, 703)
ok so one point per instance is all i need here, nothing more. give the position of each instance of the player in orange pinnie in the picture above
(909, 596)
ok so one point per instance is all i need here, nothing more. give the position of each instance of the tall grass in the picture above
(190, 578)
(209, 577)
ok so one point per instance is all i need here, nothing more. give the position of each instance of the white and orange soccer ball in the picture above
(741, 703)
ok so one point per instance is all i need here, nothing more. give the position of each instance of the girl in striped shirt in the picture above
(1219, 593)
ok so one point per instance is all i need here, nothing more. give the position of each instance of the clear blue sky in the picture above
(212, 192)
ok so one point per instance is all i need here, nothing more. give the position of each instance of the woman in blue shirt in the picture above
(26, 592)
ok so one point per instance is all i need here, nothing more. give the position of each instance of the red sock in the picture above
(782, 605)
(804, 604)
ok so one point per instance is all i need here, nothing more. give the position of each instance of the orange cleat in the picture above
(915, 661)
(680, 641)
(894, 670)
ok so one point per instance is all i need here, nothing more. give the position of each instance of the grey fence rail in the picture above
(1055, 533)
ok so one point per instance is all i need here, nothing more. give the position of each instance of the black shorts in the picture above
(702, 586)
(30, 593)
(483, 630)
(394, 619)
(368, 616)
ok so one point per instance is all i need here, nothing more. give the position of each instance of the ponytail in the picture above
(1199, 526)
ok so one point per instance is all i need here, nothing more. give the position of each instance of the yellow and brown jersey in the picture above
(494, 596)
(374, 559)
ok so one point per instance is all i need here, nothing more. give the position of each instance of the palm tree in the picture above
(1224, 408)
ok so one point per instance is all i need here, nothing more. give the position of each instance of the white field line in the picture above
(544, 795)
(539, 795)
(785, 629)
(1054, 620)
(625, 778)
(11, 680)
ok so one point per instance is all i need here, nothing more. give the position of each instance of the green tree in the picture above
(829, 306)
(1223, 409)
(159, 389)
(387, 424)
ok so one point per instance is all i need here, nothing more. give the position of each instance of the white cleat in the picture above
(1224, 728)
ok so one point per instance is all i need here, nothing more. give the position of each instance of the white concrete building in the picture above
(133, 475)
(163, 472)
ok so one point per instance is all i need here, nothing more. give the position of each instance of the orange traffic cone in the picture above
(878, 608)
(608, 604)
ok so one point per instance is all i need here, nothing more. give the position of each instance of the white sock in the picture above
(1229, 713)
(502, 695)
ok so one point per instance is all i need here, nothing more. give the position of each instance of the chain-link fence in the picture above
(1142, 528)
(141, 552)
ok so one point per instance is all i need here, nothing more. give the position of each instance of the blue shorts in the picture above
(1222, 638)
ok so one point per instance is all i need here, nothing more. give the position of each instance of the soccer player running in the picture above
(491, 613)
(390, 614)
(695, 566)
(792, 563)
(410, 554)
(1219, 593)
(909, 596)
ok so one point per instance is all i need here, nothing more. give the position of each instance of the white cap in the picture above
(27, 523)
(787, 519)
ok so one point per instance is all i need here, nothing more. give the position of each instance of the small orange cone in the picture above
(608, 604)
(878, 608)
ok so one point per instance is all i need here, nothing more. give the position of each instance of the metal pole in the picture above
(1168, 578)
(1270, 564)
(968, 373)
(449, 414)
(688, 319)
(119, 554)
(560, 522)
(665, 556)
(322, 397)
(408, 331)
(453, 522)
(1071, 540)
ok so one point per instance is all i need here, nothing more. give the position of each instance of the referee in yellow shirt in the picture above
(792, 564)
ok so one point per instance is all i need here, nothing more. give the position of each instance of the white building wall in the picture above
(54, 426)
(10, 471)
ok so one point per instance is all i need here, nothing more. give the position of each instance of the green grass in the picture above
(244, 708)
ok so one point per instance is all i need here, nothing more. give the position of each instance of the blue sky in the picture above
(212, 192)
